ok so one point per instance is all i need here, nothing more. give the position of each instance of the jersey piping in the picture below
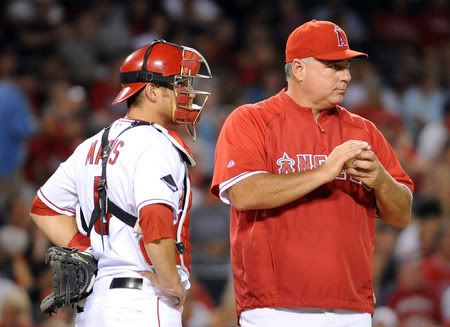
(226, 185)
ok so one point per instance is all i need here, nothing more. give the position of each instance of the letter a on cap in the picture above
(342, 41)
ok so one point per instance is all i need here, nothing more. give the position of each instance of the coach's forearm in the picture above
(266, 191)
(394, 202)
(59, 229)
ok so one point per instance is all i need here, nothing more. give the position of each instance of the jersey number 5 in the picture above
(98, 223)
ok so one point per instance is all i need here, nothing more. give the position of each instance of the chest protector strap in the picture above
(105, 205)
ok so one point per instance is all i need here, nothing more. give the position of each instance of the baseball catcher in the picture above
(127, 193)
(73, 277)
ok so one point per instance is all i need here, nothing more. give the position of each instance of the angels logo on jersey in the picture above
(306, 162)
(286, 164)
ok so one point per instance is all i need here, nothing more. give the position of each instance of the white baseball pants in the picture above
(120, 307)
(269, 317)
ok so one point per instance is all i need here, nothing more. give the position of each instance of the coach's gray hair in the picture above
(288, 67)
(288, 70)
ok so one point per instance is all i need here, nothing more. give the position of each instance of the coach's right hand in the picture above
(334, 164)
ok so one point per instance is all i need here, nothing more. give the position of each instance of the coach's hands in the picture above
(341, 155)
(176, 293)
(367, 168)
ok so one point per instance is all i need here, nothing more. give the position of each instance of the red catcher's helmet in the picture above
(170, 65)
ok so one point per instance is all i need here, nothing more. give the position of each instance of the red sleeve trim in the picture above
(40, 208)
(80, 242)
(156, 221)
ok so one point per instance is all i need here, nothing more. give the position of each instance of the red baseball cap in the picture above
(321, 40)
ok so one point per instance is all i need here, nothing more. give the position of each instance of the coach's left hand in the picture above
(367, 168)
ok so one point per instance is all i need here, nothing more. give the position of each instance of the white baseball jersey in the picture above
(145, 166)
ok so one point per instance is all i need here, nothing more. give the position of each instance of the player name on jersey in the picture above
(114, 154)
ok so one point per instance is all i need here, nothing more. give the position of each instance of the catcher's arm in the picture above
(156, 222)
(163, 256)
(61, 230)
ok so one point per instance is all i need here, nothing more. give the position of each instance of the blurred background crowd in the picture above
(59, 62)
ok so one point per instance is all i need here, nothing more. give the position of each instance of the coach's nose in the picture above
(347, 76)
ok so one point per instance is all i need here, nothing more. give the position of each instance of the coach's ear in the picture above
(298, 69)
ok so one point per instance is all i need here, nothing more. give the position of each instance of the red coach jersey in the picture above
(317, 251)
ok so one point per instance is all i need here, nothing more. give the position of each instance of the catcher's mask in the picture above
(169, 65)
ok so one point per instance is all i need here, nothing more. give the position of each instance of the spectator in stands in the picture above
(434, 135)
(414, 303)
(436, 267)
(384, 317)
(422, 104)
(15, 310)
(16, 126)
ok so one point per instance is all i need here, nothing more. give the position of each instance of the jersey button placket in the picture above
(319, 125)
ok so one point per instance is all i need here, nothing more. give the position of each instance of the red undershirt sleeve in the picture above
(156, 221)
(80, 242)
(40, 208)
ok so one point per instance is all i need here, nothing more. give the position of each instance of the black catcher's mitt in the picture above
(73, 277)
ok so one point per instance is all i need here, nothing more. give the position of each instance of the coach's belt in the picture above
(127, 282)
